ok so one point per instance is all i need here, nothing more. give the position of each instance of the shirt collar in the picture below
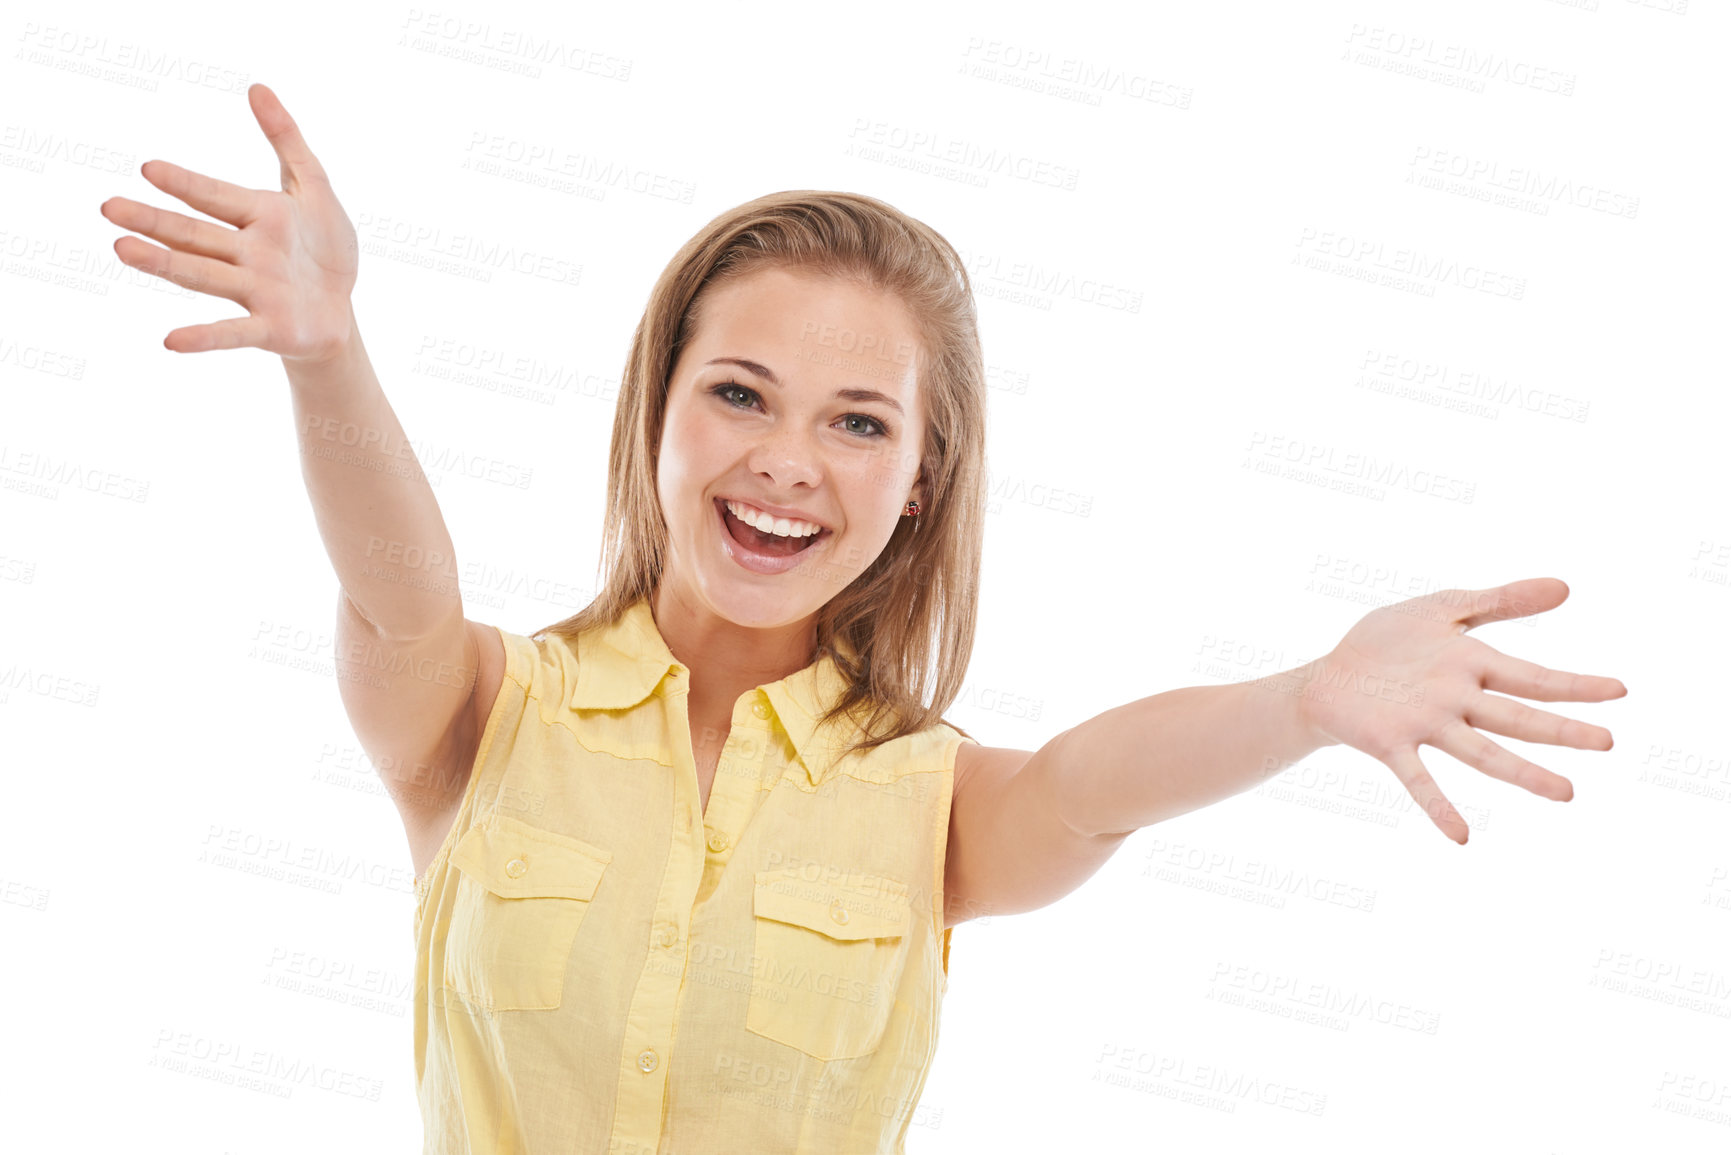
(622, 664)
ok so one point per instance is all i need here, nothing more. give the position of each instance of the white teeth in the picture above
(780, 526)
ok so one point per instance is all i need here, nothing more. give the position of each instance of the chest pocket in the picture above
(831, 954)
(522, 896)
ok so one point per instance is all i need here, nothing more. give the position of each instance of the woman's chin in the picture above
(756, 606)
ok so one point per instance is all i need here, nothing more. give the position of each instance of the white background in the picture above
(1246, 176)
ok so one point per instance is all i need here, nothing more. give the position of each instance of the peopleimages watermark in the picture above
(521, 51)
(34, 148)
(36, 359)
(1384, 371)
(1350, 472)
(1023, 282)
(1317, 1002)
(46, 684)
(1528, 187)
(1662, 980)
(303, 865)
(1368, 258)
(23, 894)
(41, 475)
(123, 62)
(1220, 1088)
(461, 254)
(265, 1069)
(551, 165)
(869, 139)
(1065, 77)
(1455, 64)
(1259, 882)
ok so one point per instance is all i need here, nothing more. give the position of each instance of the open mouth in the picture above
(765, 544)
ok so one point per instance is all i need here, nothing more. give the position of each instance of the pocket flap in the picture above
(516, 860)
(851, 906)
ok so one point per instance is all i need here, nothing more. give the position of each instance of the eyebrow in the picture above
(848, 394)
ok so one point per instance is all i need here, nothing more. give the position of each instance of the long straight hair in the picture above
(902, 631)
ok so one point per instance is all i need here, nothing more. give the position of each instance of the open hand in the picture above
(1407, 675)
(291, 258)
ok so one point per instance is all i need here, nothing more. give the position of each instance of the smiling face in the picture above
(797, 395)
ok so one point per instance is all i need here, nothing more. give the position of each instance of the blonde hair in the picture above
(904, 627)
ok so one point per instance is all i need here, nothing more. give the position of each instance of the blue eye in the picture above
(727, 388)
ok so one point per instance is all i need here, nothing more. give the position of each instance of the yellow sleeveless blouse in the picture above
(602, 968)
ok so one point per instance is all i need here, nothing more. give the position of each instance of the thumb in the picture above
(1472, 608)
(298, 161)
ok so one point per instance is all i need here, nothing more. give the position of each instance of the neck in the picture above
(725, 658)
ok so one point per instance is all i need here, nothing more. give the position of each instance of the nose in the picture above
(787, 455)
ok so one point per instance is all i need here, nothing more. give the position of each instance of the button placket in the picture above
(640, 1088)
(727, 801)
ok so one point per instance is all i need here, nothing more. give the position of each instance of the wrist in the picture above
(1298, 692)
(337, 364)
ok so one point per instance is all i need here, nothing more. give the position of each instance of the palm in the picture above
(1407, 675)
(1398, 659)
(291, 258)
(308, 264)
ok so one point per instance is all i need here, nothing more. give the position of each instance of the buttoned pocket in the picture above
(522, 895)
(830, 955)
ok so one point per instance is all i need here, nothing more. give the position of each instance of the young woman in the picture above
(688, 862)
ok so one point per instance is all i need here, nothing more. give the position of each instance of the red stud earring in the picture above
(913, 508)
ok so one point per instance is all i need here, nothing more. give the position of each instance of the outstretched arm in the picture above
(1405, 676)
(1027, 828)
(1166, 755)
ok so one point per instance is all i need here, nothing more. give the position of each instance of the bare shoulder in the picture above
(1009, 848)
(991, 763)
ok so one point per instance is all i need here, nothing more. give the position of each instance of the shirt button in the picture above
(718, 842)
(516, 868)
(760, 710)
(839, 913)
(669, 936)
(648, 1060)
